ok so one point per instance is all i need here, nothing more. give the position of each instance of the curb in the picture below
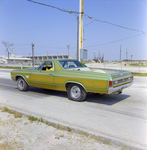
(65, 125)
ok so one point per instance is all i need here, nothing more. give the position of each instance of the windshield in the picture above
(70, 64)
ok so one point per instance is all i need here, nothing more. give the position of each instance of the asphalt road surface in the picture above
(120, 119)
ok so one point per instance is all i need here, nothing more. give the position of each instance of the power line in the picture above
(75, 12)
(85, 46)
(113, 41)
(115, 25)
(63, 10)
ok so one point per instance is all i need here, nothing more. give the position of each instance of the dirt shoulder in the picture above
(18, 132)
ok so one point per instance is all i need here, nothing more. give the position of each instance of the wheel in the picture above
(76, 92)
(22, 85)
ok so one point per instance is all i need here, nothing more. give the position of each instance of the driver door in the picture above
(42, 78)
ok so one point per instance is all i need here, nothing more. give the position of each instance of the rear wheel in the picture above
(76, 92)
(22, 85)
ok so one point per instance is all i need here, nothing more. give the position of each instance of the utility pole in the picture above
(126, 54)
(33, 54)
(78, 58)
(81, 27)
(68, 49)
(131, 57)
(120, 53)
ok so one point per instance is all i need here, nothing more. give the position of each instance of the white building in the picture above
(15, 60)
(3, 60)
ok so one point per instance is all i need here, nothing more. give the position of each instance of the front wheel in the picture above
(22, 85)
(76, 92)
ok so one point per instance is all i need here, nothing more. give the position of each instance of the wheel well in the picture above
(67, 84)
(17, 77)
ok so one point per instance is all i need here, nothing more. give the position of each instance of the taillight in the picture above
(110, 83)
(132, 77)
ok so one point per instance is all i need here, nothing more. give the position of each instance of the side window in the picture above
(41, 67)
(49, 66)
(71, 65)
(46, 66)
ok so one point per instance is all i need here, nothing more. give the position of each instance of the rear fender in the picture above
(72, 82)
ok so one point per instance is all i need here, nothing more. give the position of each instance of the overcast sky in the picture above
(51, 30)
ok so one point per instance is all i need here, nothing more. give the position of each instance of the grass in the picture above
(5, 109)
(18, 115)
(59, 127)
(68, 129)
(13, 67)
(41, 119)
(140, 74)
(62, 135)
(12, 112)
(125, 148)
(138, 64)
(31, 118)
(49, 124)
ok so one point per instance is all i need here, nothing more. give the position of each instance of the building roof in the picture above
(15, 58)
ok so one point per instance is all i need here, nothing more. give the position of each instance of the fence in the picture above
(136, 68)
(139, 68)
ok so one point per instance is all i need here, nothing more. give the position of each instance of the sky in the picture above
(51, 30)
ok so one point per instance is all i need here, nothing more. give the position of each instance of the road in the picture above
(120, 119)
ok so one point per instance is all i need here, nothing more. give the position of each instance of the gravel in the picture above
(21, 133)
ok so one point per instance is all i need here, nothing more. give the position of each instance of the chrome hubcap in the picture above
(21, 84)
(75, 92)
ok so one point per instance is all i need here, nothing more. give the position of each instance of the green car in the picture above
(74, 77)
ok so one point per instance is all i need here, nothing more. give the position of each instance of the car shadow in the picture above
(106, 99)
(47, 92)
(91, 98)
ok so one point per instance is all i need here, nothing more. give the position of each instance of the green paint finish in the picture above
(92, 79)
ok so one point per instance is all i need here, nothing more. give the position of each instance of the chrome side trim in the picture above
(112, 90)
(75, 83)
(121, 71)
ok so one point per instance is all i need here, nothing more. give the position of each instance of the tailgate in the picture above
(121, 78)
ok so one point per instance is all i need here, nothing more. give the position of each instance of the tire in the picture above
(22, 85)
(76, 92)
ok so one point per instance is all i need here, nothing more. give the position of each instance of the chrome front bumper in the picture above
(117, 89)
